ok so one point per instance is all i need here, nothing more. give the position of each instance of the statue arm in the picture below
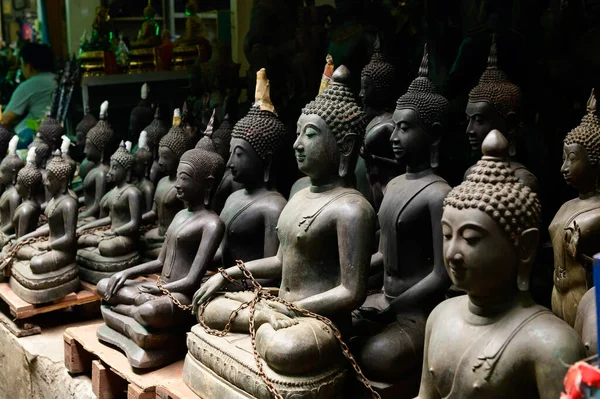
(95, 207)
(69, 240)
(271, 240)
(435, 282)
(427, 389)
(150, 216)
(13, 203)
(96, 223)
(21, 223)
(355, 232)
(135, 210)
(211, 238)
(41, 231)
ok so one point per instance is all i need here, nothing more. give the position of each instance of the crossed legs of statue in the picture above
(154, 311)
(108, 245)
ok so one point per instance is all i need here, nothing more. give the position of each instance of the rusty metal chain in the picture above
(92, 230)
(144, 229)
(261, 294)
(8, 260)
(175, 300)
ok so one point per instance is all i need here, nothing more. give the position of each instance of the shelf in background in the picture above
(204, 15)
(133, 19)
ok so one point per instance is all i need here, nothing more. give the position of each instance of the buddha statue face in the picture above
(167, 160)
(368, 93)
(116, 173)
(53, 183)
(378, 83)
(92, 152)
(317, 153)
(22, 190)
(7, 174)
(411, 142)
(577, 168)
(245, 164)
(483, 118)
(221, 147)
(187, 186)
(197, 175)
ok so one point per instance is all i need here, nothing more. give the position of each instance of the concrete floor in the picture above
(32, 367)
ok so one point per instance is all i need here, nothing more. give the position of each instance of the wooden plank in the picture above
(88, 286)
(174, 389)
(19, 328)
(117, 361)
(82, 297)
(16, 304)
(77, 359)
(105, 383)
(135, 392)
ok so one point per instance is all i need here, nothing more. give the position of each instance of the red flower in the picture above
(580, 374)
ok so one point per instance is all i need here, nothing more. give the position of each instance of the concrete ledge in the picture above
(32, 367)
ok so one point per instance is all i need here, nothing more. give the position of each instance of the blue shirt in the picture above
(31, 100)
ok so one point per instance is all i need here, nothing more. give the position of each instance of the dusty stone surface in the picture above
(32, 367)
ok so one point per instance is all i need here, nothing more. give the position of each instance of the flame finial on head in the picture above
(145, 90)
(104, 110)
(424, 68)
(592, 104)
(262, 93)
(12, 145)
(210, 127)
(31, 156)
(493, 57)
(128, 145)
(143, 140)
(66, 143)
(176, 117)
(495, 145)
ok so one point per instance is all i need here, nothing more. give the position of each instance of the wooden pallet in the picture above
(112, 376)
(22, 310)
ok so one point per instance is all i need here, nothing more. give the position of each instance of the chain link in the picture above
(261, 294)
(8, 260)
(175, 300)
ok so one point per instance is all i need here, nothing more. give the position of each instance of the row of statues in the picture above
(284, 289)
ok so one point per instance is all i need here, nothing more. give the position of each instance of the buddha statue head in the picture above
(42, 151)
(490, 226)
(121, 163)
(187, 121)
(173, 145)
(493, 104)
(378, 82)
(221, 137)
(419, 118)
(149, 11)
(51, 132)
(83, 127)
(5, 136)
(142, 114)
(581, 152)
(64, 149)
(11, 164)
(330, 131)
(256, 138)
(155, 130)
(29, 178)
(191, 8)
(198, 174)
(206, 142)
(100, 137)
(57, 175)
(142, 158)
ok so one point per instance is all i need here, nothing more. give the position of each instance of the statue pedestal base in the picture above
(224, 367)
(44, 287)
(93, 267)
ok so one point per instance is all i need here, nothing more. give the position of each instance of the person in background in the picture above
(31, 99)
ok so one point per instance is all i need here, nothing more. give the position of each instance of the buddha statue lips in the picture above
(105, 251)
(45, 271)
(325, 233)
(576, 226)
(139, 311)
(478, 345)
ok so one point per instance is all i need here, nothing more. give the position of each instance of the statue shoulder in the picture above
(449, 308)
(354, 206)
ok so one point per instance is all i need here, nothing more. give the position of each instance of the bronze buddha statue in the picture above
(27, 214)
(325, 233)
(104, 252)
(194, 27)
(98, 145)
(575, 229)
(494, 341)
(45, 270)
(139, 310)
(251, 214)
(155, 130)
(141, 172)
(166, 204)
(51, 131)
(495, 103)
(10, 198)
(141, 115)
(149, 34)
(378, 92)
(81, 130)
(391, 324)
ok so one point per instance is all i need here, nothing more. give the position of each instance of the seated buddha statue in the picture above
(155, 130)
(10, 198)
(495, 104)
(140, 172)
(141, 115)
(139, 311)
(575, 229)
(194, 27)
(98, 145)
(5, 136)
(494, 341)
(45, 270)
(104, 252)
(81, 130)
(251, 214)
(325, 234)
(378, 92)
(391, 324)
(166, 204)
(149, 33)
(28, 212)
